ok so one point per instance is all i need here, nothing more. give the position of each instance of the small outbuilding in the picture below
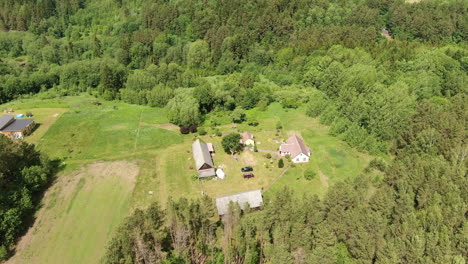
(210, 148)
(203, 161)
(253, 199)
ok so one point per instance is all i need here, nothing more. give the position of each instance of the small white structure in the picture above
(295, 148)
(220, 173)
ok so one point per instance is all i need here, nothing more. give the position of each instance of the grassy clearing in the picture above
(67, 230)
(331, 159)
(80, 212)
(89, 199)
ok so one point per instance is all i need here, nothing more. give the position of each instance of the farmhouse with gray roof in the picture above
(203, 161)
(252, 198)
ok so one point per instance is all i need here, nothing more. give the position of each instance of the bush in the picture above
(3, 253)
(218, 133)
(193, 128)
(184, 130)
(238, 115)
(268, 156)
(280, 163)
(255, 148)
(309, 174)
(279, 125)
(378, 164)
(202, 131)
(252, 121)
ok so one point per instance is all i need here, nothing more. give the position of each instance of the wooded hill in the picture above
(403, 94)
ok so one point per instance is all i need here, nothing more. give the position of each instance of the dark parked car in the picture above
(246, 169)
(248, 175)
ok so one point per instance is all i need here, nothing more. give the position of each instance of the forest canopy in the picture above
(387, 76)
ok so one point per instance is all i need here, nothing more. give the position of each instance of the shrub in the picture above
(255, 148)
(3, 253)
(268, 156)
(202, 131)
(288, 157)
(193, 128)
(184, 130)
(378, 164)
(309, 174)
(280, 163)
(218, 133)
(279, 125)
(238, 115)
(252, 121)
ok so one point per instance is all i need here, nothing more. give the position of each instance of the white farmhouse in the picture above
(296, 149)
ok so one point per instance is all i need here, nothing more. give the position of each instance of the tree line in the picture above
(24, 175)
(199, 57)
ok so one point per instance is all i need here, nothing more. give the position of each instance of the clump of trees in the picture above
(24, 175)
(231, 143)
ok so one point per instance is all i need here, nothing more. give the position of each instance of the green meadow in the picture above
(118, 157)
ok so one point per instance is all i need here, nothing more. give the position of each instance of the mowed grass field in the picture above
(102, 146)
(118, 157)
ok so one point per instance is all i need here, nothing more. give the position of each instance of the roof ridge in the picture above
(238, 193)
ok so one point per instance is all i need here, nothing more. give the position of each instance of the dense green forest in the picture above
(194, 57)
(24, 174)
(403, 94)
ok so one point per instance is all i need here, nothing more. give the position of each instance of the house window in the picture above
(304, 159)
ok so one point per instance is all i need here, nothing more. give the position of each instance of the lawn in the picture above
(95, 191)
(331, 159)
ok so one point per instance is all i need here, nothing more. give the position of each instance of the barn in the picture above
(203, 160)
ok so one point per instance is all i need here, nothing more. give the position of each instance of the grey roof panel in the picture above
(201, 154)
(5, 120)
(253, 198)
(18, 125)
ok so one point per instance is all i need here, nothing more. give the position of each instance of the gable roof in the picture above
(246, 136)
(295, 145)
(18, 125)
(253, 198)
(201, 154)
(5, 120)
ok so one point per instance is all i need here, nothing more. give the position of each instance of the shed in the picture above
(210, 148)
(253, 198)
